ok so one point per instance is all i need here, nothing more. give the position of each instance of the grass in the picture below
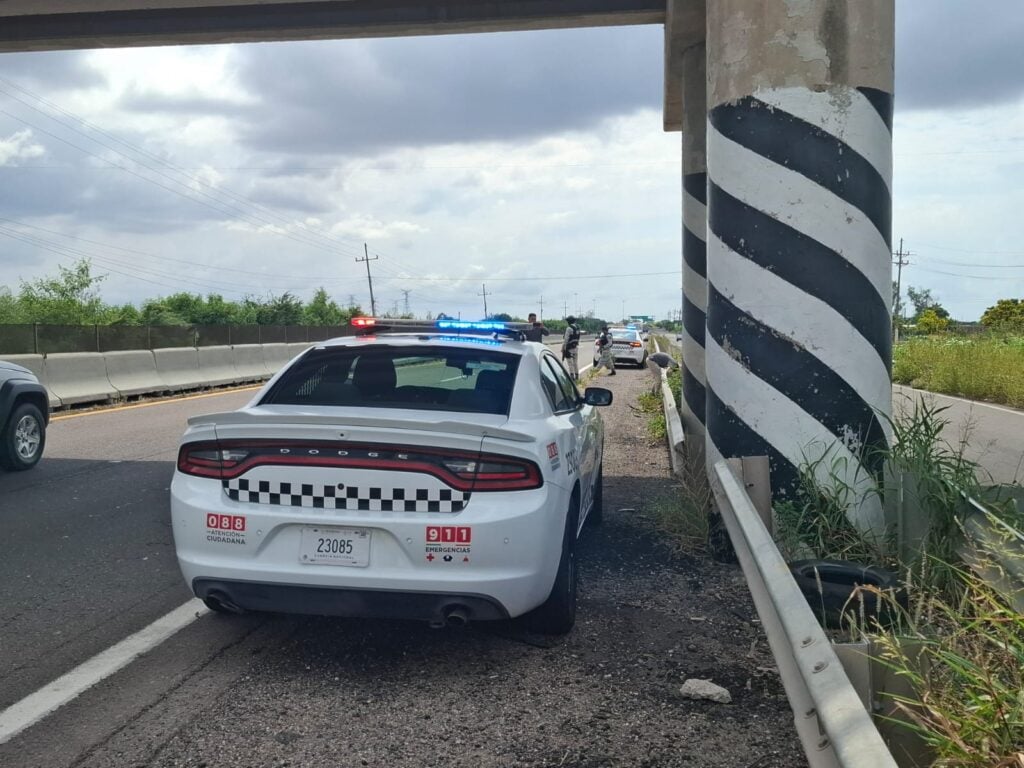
(988, 367)
(958, 640)
(964, 660)
(650, 404)
(683, 516)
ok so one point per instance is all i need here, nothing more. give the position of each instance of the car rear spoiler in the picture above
(457, 427)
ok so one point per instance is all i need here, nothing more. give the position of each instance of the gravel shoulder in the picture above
(332, 692)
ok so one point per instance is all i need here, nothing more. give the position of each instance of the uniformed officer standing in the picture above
(570, 347)
(605, 345)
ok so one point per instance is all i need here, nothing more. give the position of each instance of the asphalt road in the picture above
(87, 560)
(87, 550)
(992, 435)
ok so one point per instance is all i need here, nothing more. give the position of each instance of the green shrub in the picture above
(989, 367)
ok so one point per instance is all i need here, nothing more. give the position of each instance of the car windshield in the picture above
(423, 378)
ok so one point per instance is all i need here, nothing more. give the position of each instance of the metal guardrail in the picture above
(834, 727)
(673, 423)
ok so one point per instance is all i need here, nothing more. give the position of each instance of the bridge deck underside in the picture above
(53, 25)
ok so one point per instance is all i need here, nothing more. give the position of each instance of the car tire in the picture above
(596, 515)
(23, 438)
(831, 589)
(557, 614)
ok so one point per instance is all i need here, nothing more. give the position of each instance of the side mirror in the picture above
(597, 396)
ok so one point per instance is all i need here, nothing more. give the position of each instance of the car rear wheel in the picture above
(557, 614)
(23, 439)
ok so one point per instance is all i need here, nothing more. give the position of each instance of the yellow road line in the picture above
(150, 404)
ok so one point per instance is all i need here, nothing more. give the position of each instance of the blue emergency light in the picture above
(471, 340)
(470, 325)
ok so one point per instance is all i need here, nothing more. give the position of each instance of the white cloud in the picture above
(957, 204)
(19, 146)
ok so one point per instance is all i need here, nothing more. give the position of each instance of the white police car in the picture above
(439, 473)
(627, 346)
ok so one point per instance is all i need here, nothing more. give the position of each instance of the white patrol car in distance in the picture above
(627, 346)
(440, 473)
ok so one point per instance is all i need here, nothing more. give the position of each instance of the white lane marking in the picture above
(55, 695)
(960, 399)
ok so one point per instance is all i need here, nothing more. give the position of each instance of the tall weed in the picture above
(981, 368)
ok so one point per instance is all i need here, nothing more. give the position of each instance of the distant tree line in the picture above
(72, 298)
(929, 316)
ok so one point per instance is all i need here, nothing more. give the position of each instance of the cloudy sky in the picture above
(533, 163)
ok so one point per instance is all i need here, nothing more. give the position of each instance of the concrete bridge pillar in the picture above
(799, 147)
(695, 287)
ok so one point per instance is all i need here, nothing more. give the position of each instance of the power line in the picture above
(972, 250)
(550, 277)
(144, 153)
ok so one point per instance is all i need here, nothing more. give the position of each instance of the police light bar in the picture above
(471, 340)
(469, 325)
(363, 322)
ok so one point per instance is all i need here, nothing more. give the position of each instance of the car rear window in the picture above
(425, 378)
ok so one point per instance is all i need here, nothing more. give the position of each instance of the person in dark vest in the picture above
(605, 345)
(570, 347)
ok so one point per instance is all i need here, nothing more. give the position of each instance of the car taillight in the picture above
(495, 473)
(463, 471)
(209, 459)
(635, 344)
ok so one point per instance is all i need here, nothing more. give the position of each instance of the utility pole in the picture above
(406, 294)
(898, 309)
(542, 306)
(484, 294)
(565, 307)
(369, 278)
(576, 301)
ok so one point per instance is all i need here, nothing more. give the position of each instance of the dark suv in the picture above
(24, 414)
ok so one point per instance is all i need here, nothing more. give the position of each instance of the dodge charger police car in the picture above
(437, 473)
(627, 346)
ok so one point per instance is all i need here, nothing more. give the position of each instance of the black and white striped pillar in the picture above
(799, 145)
(695, 287)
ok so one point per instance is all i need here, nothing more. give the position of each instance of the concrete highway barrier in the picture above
(217, 366)
(248, 359)
(297, 347)
(133, 372)
(78, 377)
(36, 364)
(274, 357)
(179, 368)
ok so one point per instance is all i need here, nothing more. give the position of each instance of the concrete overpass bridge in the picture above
(785, 109)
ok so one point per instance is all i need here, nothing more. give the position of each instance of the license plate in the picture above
(324, 545)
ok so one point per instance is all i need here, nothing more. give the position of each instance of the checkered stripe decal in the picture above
(371, 499)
